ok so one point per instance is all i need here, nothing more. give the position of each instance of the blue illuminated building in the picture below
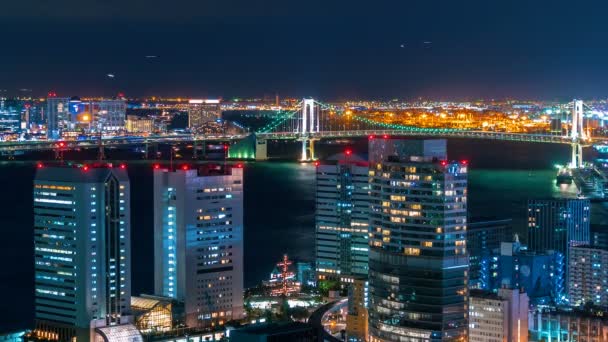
(198, 241)
(541, 275)
(82, 251)
(484, 235)
(342, 205)
(57, 116)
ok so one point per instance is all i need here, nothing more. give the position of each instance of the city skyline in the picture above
(343, 171)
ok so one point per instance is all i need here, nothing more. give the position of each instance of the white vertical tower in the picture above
(310, 124)
(198, 241)
(577, 134)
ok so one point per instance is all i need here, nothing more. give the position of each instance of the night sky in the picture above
(330, 49)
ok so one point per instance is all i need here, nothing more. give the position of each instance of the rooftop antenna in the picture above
(100, 150)
(171, 157)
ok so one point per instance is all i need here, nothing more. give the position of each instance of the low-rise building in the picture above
(501, 317)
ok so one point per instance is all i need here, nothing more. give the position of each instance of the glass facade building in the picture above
(82, 250)
(198, 241)
(341, 216)
(418, 262)
(556, 224)
(57, 116)
(484, 236)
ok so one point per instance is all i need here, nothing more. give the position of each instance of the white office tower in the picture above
(82, 252)
(342, 206)
(501, 317)
(198, 241)
(418, 261)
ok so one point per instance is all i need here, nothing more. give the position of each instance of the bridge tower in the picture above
(309, 124)
(577, 133)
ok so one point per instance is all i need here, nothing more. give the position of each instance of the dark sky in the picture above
(331, 49)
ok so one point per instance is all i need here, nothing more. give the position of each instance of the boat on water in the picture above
(564, 176)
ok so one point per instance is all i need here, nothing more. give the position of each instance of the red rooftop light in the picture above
(85, 168)
(348, 152)
(123, 166)
(184, 167)
(371, 137)
(444, 163)
(317, 163)
(61, 144)
(156, 166)
(239, 165)
(385, 136)
(39, 165)
(464, 162)
(225, 147)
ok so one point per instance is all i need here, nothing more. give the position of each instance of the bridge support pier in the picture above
(577, 156)
(261, 149)
(194, 149)
(308, 149)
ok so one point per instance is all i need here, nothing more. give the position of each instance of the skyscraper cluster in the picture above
(424, 257)
(82, 228)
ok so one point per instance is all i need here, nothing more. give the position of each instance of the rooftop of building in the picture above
(475, 293)
(81, 173)
(204, 170)
(146, 302)
(275, 328)
(475, 225)
(346, 157)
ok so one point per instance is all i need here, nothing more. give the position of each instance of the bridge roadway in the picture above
(17, 146)
(522, 137)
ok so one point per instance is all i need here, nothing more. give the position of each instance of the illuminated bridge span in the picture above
(313, 120)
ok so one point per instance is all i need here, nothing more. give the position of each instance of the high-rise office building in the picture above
(418, 261)
(342, 205)
(82, 251)
(10, 115)
(498, 317)
(201, 112)
(57, 116)
(111, 114)
(556, 224)
(198, 241)
(483, 236)
(588, 276)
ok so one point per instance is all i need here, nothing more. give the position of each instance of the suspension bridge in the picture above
(313, 120)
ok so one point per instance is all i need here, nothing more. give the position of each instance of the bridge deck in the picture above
(555, 139)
